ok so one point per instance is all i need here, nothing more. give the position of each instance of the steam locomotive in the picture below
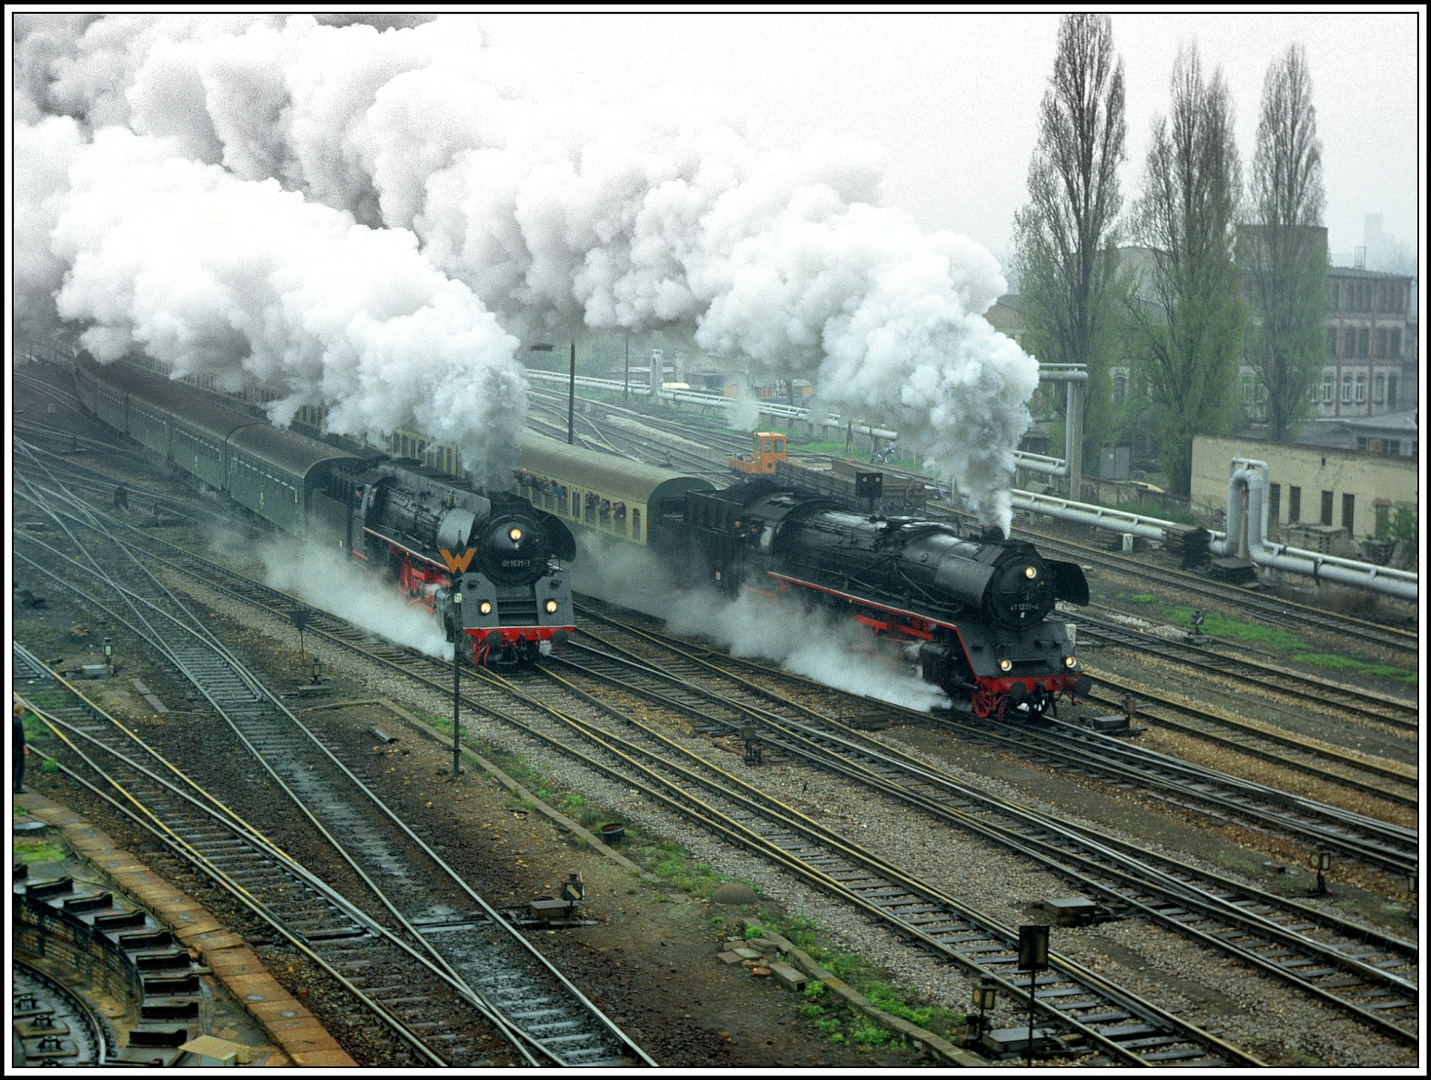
(971, 612)
(421, 530)
(435, 538)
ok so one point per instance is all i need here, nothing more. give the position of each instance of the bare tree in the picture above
(1284, 250)
(1185, 307)
(1065, 236)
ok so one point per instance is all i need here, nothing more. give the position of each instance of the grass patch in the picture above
(36, 851)
(1234, 629)
(1137, 598)
(1361, 667)
(1231, 628)
(830, 1012)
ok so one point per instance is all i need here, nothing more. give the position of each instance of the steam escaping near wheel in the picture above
(469, 215)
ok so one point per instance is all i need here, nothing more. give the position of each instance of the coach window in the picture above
(1326, 508)
(1348, 513)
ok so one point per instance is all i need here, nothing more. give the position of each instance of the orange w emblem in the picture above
(457, 564)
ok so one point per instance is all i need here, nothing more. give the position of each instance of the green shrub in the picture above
(872, 1035)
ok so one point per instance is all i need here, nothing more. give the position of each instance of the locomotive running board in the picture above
(862, 600)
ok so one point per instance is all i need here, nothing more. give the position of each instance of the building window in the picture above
(1329, 387)
(1383, 516)
(1380, 385)
(1326, 508)
(1361, 388)
(1336, 296)
(1346, 391)
(1393, 446)
(1364, 342)
(1391, 391)
(1349, 343)
(1395, 352)
(1120, 389)
(1331, 342)
(1294, 503)
(1361, 443)
(1349, 513)
(1274, 503)
(1381, 342)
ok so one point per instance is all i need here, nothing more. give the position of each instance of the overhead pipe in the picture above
(1076, 374)
(1090, 514)
(1251, 476)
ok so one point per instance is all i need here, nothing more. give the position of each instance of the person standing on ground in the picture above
(19, 749)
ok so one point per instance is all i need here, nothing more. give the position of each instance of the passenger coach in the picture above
(607, 494)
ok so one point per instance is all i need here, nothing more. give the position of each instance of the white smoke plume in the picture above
(325, 579)
(668, 215)
(812, 643)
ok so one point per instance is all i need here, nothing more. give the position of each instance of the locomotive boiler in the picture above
(973, 613)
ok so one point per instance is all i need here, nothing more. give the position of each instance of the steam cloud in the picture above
(424, 208)
(810, 643)
(323, 578)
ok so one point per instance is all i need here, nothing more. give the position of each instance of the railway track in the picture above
(1125, 1029)
(1266, 931)
(547, 1019)
(1353, 701)
(51, 1025)
(1271, 610)
(1081, 1042)
(1393, 781)
(96, 751)
(1223, 797)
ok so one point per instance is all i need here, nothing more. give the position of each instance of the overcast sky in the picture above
(953, 97)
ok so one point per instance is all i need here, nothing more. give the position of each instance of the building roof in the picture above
(1374, 275)
(1404, 422)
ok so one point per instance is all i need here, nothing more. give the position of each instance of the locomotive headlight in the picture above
(1070, 661)
(514, 534)
(1006, 665)
(1030, 572)
(551, 607)
(485, 607)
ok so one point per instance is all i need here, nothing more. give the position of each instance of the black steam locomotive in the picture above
(421, 529)
(424, 529)
(973, 613)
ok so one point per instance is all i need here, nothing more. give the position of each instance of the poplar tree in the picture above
(1284, 251)
(1186, 310)
(1066, 236)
